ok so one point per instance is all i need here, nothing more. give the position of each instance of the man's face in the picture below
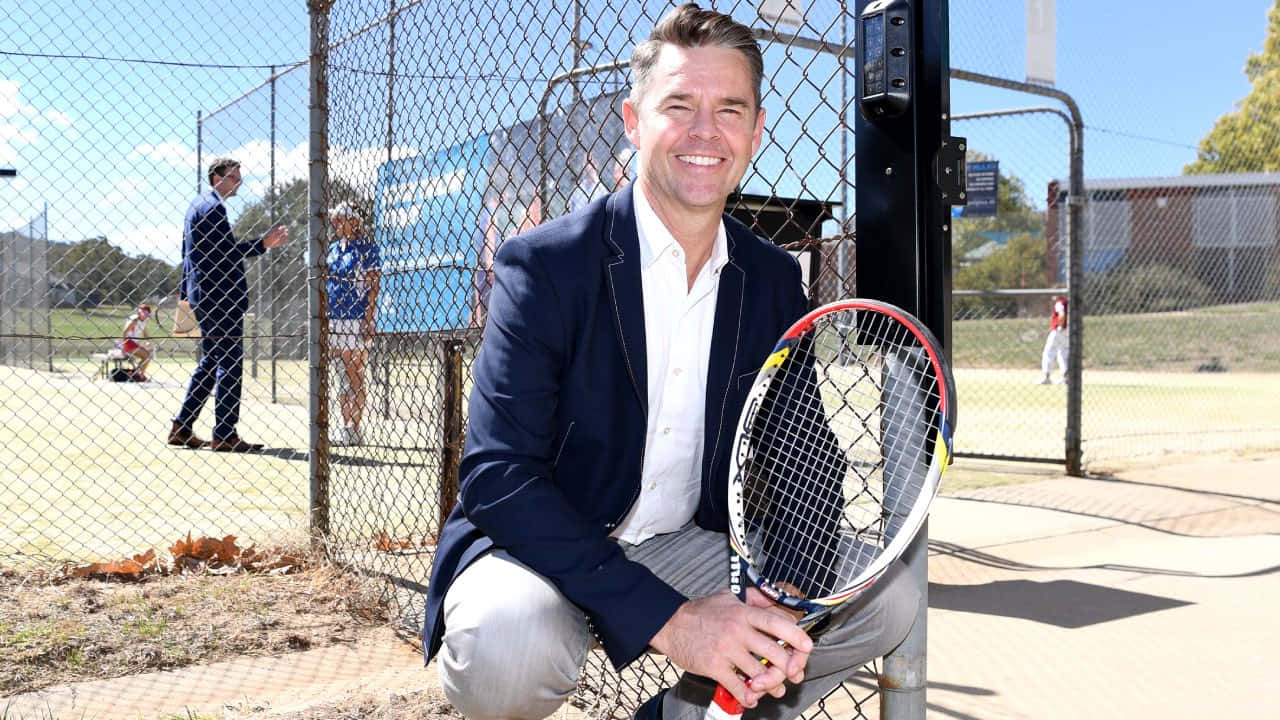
(345, 226)
(696, 128)
(228, 183)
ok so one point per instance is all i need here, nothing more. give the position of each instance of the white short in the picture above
(346, 335)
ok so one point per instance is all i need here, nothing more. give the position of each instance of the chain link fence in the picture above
(453, 128)
(100, 121)
(110, 127)
(1176, 290)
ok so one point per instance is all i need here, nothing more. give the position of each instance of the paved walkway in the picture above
(1151, 595)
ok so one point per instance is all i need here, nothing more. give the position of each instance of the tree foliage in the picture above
(102, 273)
(1015, 214)
(1248, 140)
(1145, 288)
(284, 205)
(278, 280)
(1019, 263)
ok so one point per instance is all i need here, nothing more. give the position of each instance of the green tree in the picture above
(1020, 262)
(101, 272)
(1248, 140)
(1015, 214)
(289, 205)
(278, 279)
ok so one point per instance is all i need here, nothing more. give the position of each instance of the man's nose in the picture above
(704, 125)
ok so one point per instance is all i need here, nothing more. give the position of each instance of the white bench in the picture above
(112, 360)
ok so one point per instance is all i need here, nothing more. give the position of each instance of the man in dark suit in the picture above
(214, 283)
(619, 348)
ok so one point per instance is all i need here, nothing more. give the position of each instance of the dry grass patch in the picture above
(56, 630)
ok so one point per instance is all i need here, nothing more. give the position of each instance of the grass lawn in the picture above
(89, 476)
(1244, 338)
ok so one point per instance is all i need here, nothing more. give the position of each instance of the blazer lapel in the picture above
(622, 268)
(722, 368)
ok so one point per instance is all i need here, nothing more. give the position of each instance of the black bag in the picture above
(121, 375)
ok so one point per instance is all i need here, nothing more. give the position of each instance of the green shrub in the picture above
(1144, 289)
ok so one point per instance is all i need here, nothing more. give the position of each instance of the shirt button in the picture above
(676, 372)
(666, 431)
(675, 253)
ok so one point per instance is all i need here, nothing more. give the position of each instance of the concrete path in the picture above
(1153, 595)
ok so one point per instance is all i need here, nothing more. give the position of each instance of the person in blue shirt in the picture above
(352, 285)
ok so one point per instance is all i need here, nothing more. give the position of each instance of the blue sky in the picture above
(110, 147)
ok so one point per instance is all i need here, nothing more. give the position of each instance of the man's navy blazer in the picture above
(556, 432)
(212, 261)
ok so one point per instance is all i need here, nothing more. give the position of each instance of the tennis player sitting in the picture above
(133, 341)
(620, 345)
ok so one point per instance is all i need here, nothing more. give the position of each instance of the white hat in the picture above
(344, 210)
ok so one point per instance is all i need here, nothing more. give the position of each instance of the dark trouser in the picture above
(221, 366)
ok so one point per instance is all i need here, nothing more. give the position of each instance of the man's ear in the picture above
(630, 120)
(758, 134)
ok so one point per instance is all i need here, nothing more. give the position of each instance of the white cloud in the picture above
(14, 133)
(355, 166)
(58, 118)
(125, 191)
(255, 165)
(10, 98)
(13, 128)
(160, 241)
(170, 152)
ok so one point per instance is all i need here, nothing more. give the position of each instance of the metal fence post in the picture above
(273, 214)
(452, 426)
(1075, 296)
(318, 232)
(199, 151)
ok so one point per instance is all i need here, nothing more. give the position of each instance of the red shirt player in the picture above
(1055, 345)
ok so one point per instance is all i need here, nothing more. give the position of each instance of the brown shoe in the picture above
(234, 444)
(180, 436)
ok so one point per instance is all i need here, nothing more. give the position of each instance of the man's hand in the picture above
(718, 636)
(275, 237)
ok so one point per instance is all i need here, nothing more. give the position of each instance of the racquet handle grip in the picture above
(723, 706)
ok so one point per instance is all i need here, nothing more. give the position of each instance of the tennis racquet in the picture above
(839, 451)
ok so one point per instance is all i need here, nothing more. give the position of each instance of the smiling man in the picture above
(620, 345)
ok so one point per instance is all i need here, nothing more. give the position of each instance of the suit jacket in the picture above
(556, 433)
(213, 262)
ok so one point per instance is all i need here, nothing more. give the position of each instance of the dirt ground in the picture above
(55, 631)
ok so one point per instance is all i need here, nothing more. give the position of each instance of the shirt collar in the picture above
(655, 238)
(217, 194)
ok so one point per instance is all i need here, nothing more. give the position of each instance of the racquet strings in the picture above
(840, 452)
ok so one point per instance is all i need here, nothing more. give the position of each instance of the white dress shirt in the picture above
(678, 320)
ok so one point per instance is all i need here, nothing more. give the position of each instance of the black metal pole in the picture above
(903, 256)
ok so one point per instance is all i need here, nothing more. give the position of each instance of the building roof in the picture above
(1179, 181)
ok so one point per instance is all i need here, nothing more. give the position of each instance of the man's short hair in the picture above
(689, 26)
(221, 166)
